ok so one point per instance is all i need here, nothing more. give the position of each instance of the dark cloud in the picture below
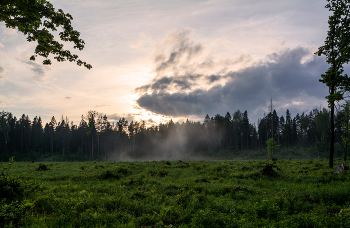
(39, 70)
(179, 65)
(165, 83)
(68, 98)
(161, 83)
(213, 78)
(183, 49)
(150, 121)
(282, 77)
(2, 70)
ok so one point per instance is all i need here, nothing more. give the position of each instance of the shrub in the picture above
(12, 205)
(44, 205)
(11, 188)
(12, 214)
(108, 174)
(158, 172)
(122, 170)
(42, 167)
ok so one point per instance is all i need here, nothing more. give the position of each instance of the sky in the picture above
(155, 60)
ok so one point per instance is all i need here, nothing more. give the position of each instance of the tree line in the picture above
(95, 137)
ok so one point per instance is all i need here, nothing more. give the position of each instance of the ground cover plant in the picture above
(256, 193)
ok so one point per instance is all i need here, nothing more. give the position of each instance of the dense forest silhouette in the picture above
(218, 137)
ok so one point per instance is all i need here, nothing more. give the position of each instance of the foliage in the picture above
(35, 18)
(346, 128)
(13, 206)
(10, 187)
(42, 167)
(305, 193)
(337, 52)
(271, 147)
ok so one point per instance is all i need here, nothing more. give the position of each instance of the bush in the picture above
(12, 205)
(159, 172)
(12, 214)
(42, 167)
(10, 187)
(108, 174)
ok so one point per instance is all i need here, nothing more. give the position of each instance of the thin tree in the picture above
(52, 126)
(337, 52)
(91, 128)
(271, 116)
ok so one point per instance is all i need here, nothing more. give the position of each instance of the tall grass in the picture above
(301, 193)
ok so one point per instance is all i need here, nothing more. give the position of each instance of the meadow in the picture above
(256, 193)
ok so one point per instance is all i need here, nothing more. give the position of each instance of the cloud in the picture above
(99, 106)
(181, 82)
(5, 103)
(116, 117)
(180, 63)
(136, 107)
(9, 31)
(283, 76)
(68, 98)
(182, 49)
(39, 70)
(150, 121)
(1, 45)
(135, 44)
(2, 70)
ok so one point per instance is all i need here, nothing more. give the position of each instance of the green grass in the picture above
(302, 193)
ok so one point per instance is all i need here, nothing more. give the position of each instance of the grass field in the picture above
(287, 193)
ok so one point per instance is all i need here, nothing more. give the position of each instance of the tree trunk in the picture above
(331, 152)
(345, 149)
(92, 147)
(21, 139)
(98, 145)
(52, 143)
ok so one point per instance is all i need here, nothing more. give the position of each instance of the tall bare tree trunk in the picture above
(331, 152)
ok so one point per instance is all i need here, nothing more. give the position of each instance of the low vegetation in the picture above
(260, 193)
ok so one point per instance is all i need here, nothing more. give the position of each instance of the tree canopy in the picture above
(37, 19)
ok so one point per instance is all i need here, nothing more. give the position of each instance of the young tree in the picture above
(337, 52)
(288, 129)
(35, 18)
(271, 147)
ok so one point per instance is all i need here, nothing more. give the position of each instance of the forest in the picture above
(218, 137)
